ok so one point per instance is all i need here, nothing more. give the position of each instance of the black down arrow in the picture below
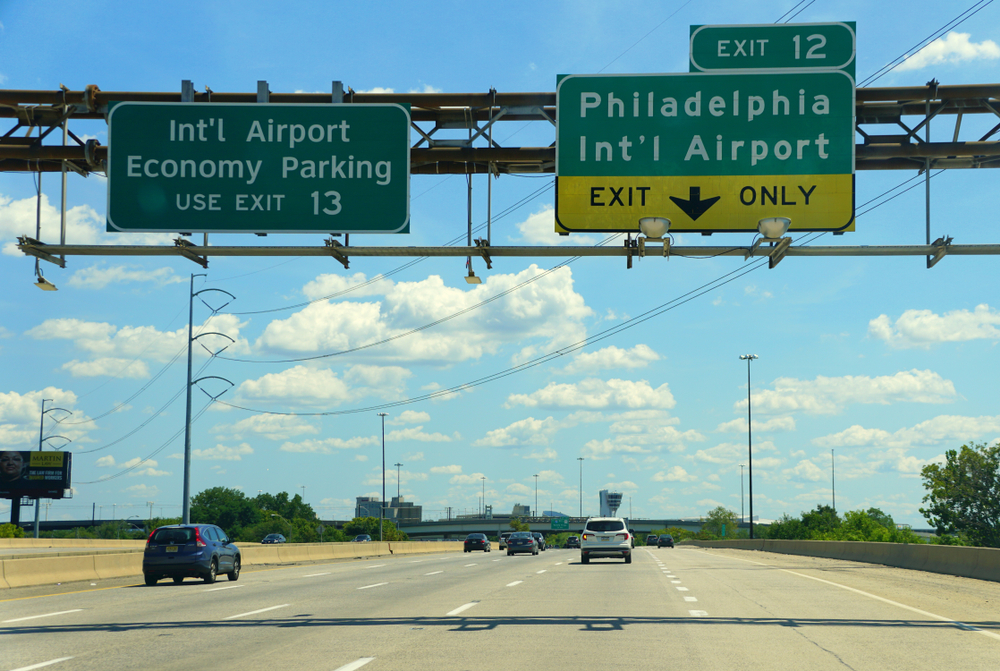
(694, 206)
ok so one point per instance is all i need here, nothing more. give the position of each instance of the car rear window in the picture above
(605, 525)
(173, 536)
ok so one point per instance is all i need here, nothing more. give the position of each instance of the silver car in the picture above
(521, 541)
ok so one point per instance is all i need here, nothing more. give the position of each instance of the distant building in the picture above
(520, 511)
(367, 506)
(610, 502)
(553, 513)
(403, 512)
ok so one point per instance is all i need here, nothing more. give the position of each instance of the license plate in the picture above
(171, 548)
(605, 538)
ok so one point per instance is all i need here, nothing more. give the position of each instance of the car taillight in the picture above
(586, 536)
(150, 538)
(624, 537)
(197, 538)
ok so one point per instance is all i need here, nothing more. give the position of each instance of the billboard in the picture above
(35, 474)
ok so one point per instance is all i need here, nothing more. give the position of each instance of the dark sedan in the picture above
(477, 542)
(272, 538)
(573, 542)
(539, 539)
(665, 541)
(521, 541)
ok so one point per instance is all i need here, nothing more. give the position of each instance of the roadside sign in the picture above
(828, 46)
(560, 523)
(258, 168)
(711, 152)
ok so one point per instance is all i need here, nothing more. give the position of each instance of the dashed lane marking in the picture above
(255, 612)
(35, 617)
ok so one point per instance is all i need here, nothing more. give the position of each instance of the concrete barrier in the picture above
(46, 570)
(969, 562)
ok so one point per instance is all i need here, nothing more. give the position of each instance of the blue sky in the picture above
(885, 362)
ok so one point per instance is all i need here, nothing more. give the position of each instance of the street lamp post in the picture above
(748, 358)
(833, 480)
(41, 439)
(742, 519)
(580, 459)
(397, 465)
(535, 476)
(483, 478)
(381, 508)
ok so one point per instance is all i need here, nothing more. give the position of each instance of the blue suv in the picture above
(179, 551)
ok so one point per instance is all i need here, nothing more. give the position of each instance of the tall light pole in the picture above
(397, 465)
(748, 358)
(535, 476)
(41, 439)
(381, 507)
(833, 480)
(742, 519)
(483, 478)
(580, 459)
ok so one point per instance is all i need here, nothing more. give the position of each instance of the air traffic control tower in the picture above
(610, 501)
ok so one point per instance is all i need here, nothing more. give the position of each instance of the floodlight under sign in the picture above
(773, 228)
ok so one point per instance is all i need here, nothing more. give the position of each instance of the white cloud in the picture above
(605, 449)
(548, 454)
(122, 368)
(84, 226)
(953, 48)
(739, 425)
(330, 445)
(417, 433)
(943, 428)
(413, 456)
(408, 417)
(143, 491)
(613, 358)
(102, 339)
(471, 479)
(100, 276)
(545, 307)
(453, 469)
(923, 328)
(807, 470)
(830, 395)
(597, 394)
(376, 89)
(223, 452)
(675, 474)
(331, 286)
(302, 384)
(529, 431)
(733, 454)
(540, 229)
(274, 427)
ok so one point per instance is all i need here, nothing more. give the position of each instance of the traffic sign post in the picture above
(260, 168)
(711, 152)
(829, 46)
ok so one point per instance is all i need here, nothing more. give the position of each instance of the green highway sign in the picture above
(709, 151)
(259, 168)
(828, 46)
(560, 523)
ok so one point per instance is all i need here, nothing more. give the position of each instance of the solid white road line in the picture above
(313, 575)
(41, 664)
(434, 572)
(467, 565)
(357, 664)
(255, 612)
(374, 566)
(516, 582)
(216, 589)
(378, 584)
(698, 613)
(925, 613)
(462, 608)
(35, 617)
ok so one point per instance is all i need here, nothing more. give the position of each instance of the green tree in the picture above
(517, 525)
(821, 523)
(369, 525)
(719, 518)
(11, 531)
(290, 508)
(227, 508)
(963, 494)
(784, 528)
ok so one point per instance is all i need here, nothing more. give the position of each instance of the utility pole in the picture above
(381, 508)
(748, 358)
(397, 465)
(580, 459)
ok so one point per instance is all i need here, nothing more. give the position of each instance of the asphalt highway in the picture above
(684, 608)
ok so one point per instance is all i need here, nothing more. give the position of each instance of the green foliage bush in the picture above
(11, 531)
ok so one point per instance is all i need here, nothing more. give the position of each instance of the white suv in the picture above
(605, 537)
